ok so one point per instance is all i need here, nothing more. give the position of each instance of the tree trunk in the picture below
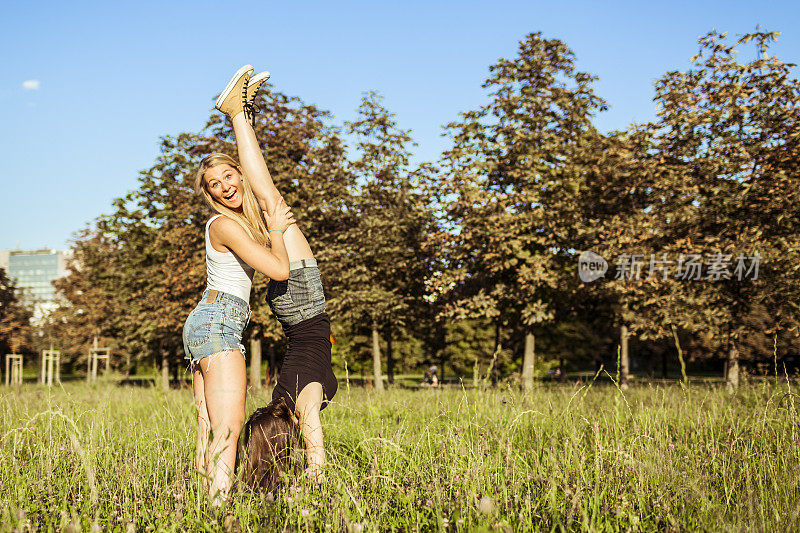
(376, 358)
(175, 368)
(562, 366)
(255, 361)
(164, 370)
(443, 353)
(528, 360)
(624, 366)
(732, 369)
(496, 355)
(389, 356)
(272, 372)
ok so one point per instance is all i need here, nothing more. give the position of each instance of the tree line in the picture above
(472, 261)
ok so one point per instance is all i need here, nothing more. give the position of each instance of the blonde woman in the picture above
(239, 239)
(306, 383)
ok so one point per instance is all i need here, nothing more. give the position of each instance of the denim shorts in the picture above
(215, 326)
(300, 297)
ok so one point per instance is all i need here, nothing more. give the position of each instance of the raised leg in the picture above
(255, 170)
(225, 386)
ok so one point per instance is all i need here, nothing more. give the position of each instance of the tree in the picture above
(727, 139)
(15, 316)
(385, 270)
(149, 252)
(510, 190)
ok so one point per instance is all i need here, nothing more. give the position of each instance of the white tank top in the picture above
(226, 271)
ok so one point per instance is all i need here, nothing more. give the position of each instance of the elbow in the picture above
(282, 274)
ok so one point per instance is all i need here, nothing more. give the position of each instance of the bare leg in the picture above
(225, 380)
(308, 404)
(255, 169)
(203, 426)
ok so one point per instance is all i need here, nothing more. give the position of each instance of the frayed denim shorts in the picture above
(215, 325)
(300, 297)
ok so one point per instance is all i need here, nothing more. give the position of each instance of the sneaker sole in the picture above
(260, 77)
(231, 84)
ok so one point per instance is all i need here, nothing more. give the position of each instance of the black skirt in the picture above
(308, 360)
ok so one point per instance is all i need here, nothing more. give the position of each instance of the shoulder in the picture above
(223, 228)
(223, 224)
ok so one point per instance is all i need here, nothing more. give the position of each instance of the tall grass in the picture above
(653, 458)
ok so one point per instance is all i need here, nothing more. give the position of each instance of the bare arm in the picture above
(272, 263)
(308, 404)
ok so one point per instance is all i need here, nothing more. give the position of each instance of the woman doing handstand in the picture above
(236, 245)
(295, 296)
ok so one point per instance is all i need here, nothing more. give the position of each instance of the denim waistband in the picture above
(226, 297)
(302, 263)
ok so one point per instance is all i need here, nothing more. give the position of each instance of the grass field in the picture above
(656, 458)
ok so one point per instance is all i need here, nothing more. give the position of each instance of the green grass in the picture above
(562, 458)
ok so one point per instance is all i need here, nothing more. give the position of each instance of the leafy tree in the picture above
(385, 269)
(15, 316)
(149, 252)
(510, 189)
(727, 177)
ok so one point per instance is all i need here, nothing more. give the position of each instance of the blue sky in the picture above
(105, 80)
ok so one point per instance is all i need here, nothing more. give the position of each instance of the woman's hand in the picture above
(281, 217)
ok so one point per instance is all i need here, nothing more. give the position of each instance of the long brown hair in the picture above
(270, 439)
(250, 218)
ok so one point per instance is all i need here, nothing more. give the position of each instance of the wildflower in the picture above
(289, 499)
(305, 513)
(62, 448)
(460, 522)
(270, 497)
(428, 503)
(356, 527)
(445, 522)
(671, 446)
(419, 503)
(95, 528)
(486, 505)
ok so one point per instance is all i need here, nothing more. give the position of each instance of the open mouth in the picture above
(230, 196)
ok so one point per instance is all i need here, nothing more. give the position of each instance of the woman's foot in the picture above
(253, 84)
(231, 100)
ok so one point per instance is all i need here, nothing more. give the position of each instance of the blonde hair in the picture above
(250, 218)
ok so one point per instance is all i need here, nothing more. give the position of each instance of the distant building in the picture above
(34, 271)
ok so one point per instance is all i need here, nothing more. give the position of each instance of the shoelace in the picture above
(247, 107)
(249, 103)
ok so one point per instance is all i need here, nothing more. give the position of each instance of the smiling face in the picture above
(224, 183)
